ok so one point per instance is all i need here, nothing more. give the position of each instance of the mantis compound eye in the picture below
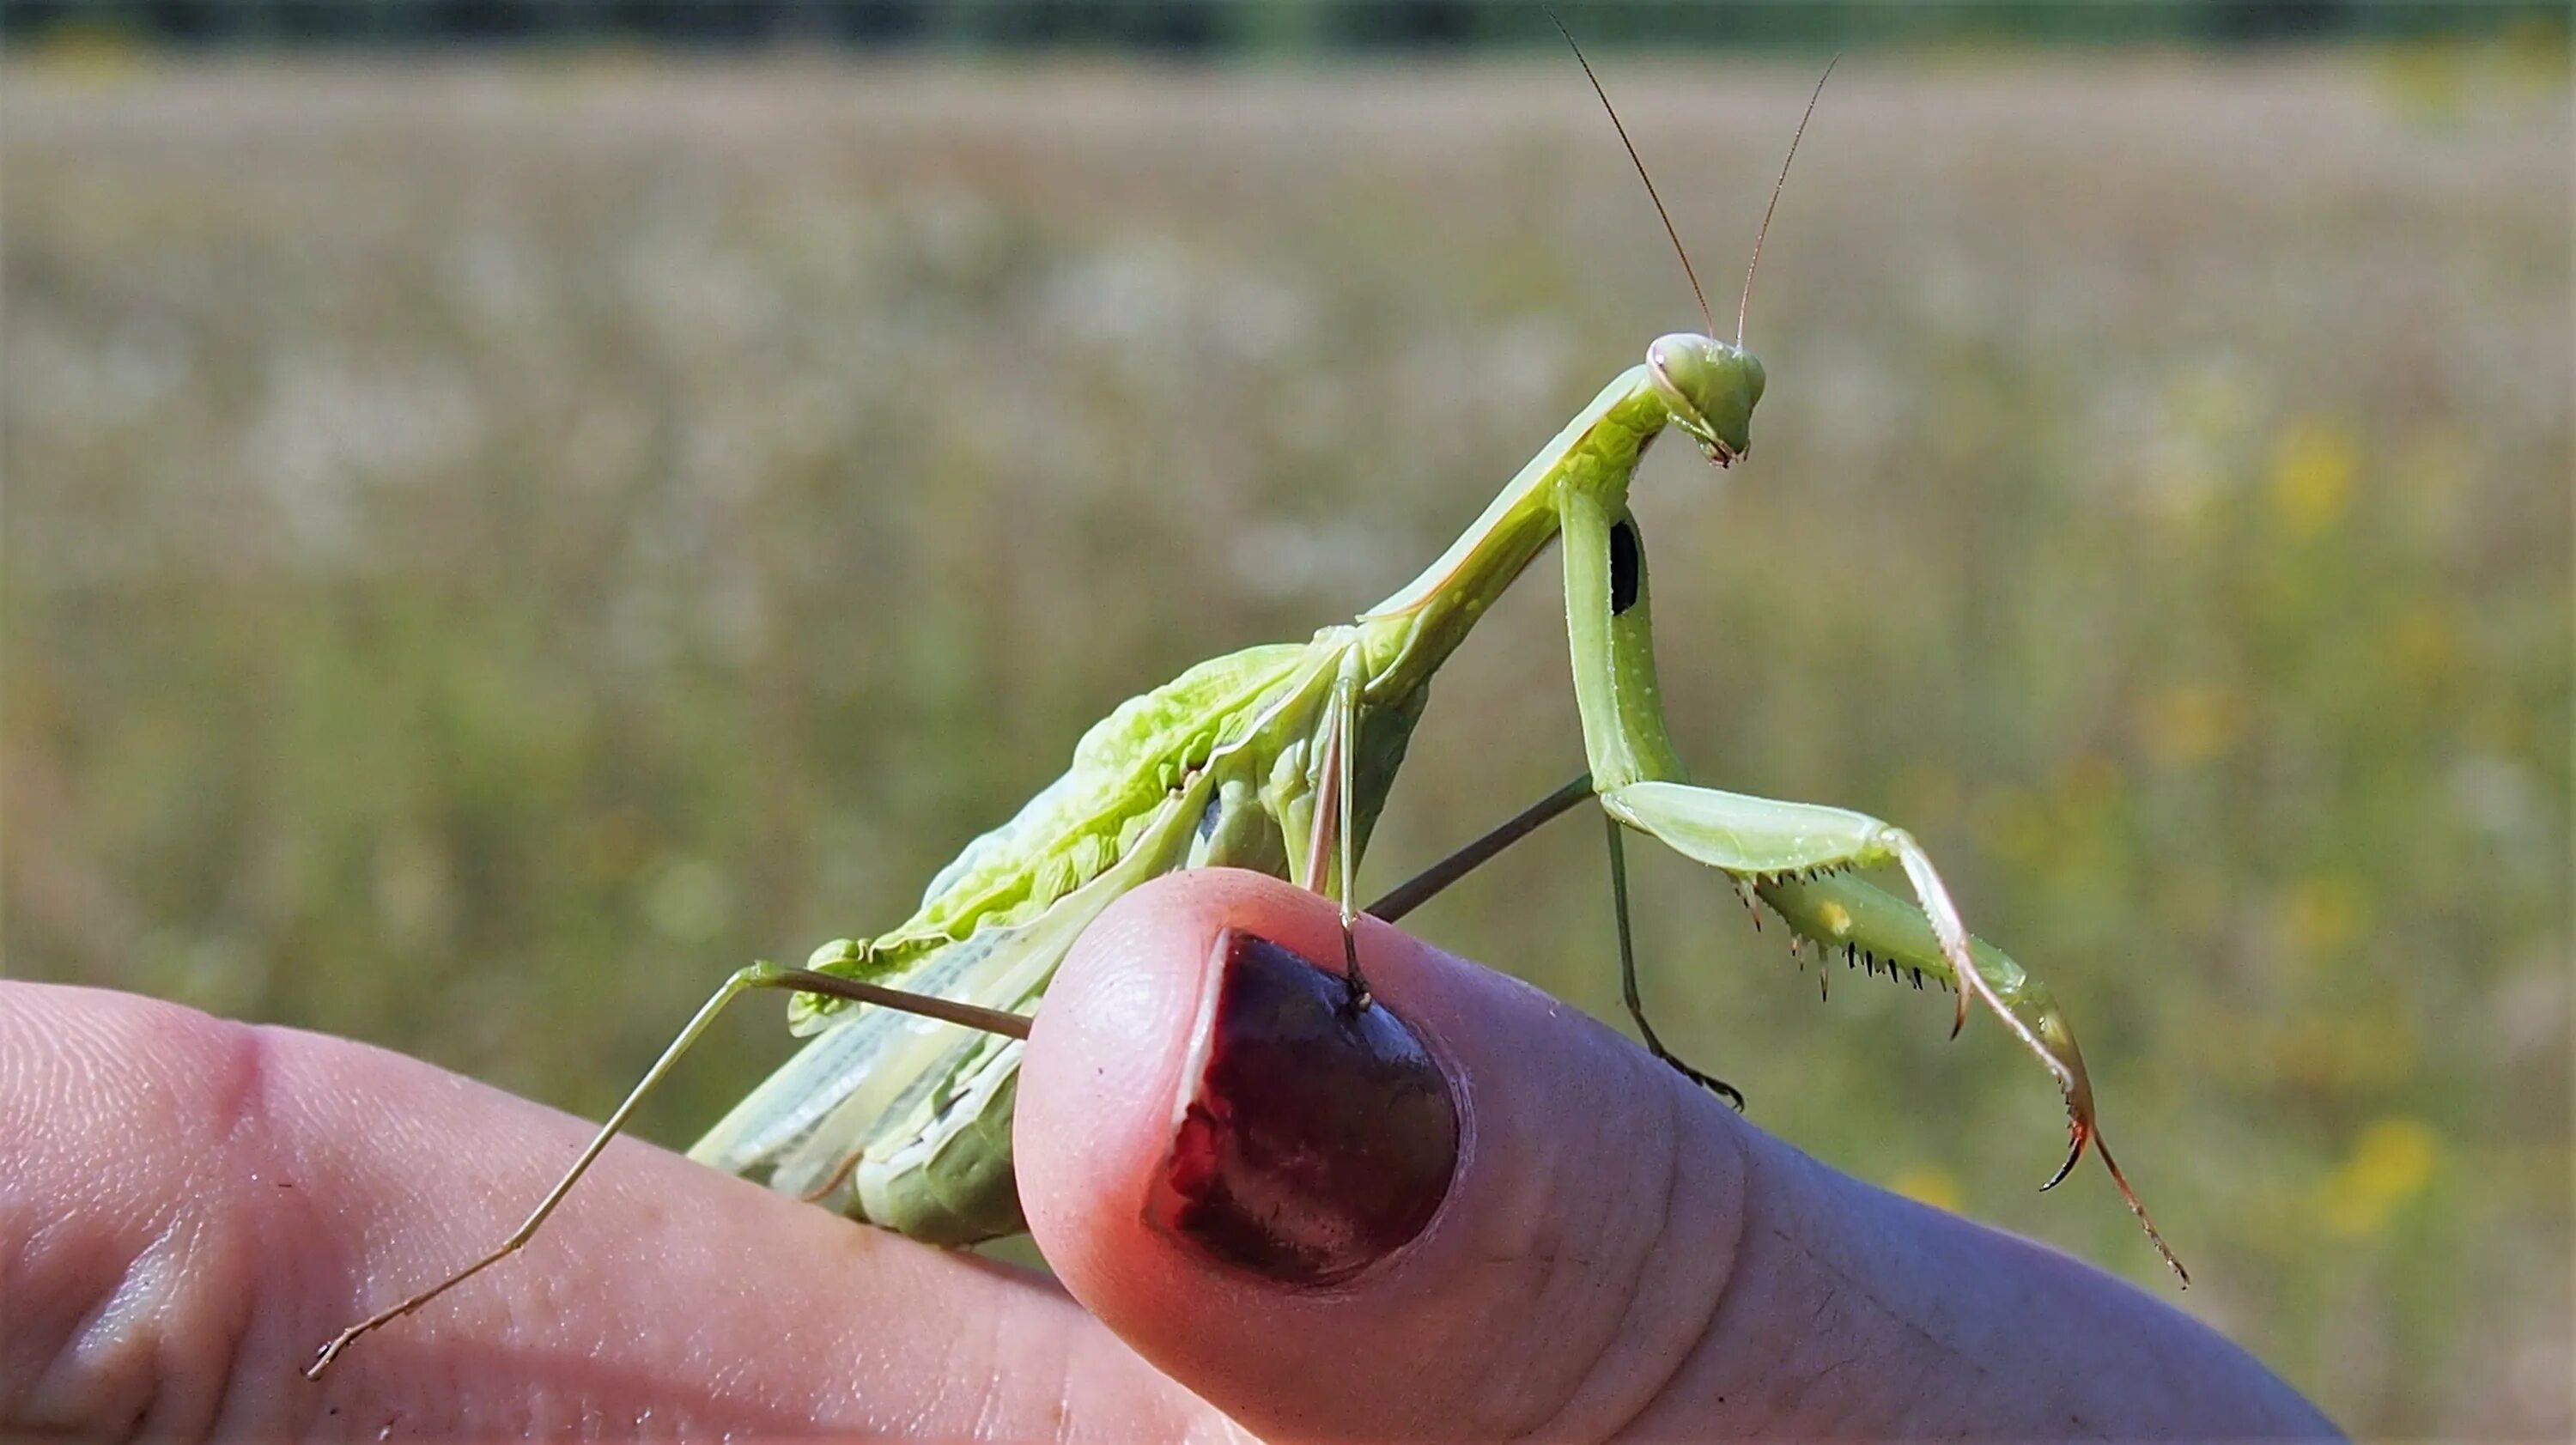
(1711, 388)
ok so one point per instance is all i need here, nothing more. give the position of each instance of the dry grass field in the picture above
(488, 549)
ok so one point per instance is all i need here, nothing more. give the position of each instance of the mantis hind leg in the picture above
(1428, 884)
(1628, 979)
(1431, 882)
(757, 976)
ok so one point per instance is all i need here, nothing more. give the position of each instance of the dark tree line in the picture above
(1216, 27)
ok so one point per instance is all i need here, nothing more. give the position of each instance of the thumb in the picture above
(1467, 1211)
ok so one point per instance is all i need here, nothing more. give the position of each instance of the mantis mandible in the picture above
(1278, 758)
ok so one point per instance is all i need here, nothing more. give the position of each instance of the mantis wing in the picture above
(905, 1121)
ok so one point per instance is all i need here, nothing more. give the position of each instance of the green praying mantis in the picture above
(1278, 758)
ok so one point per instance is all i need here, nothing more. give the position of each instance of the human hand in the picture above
(188, 1207)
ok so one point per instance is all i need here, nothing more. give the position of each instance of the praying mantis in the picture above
(1279, 758)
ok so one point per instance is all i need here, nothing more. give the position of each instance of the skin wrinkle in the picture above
(156, 1173)
(49, 1379)
(1545, 1254)
(58, 1362)
(1860, 1293)
(255, 1145)
(248, 1113)
(1841, 1288)
(190, 1246)
(1060, 1404)
(1550, 1262)
(238, 1057)
(1717, 1298)
(985, 1382)
(990, 1406)
(164, 1411)
(63, 1374)
(1824, 1302)
(1090, 1356)
(1670, 1135)
(1827, 1373)
(1753, 1205)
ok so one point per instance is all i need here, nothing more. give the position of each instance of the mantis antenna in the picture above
(1640, 164)
(1745, 302)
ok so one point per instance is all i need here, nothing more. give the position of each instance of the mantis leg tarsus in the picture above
(1628, 977)
(2129, 1197)
(1356, 997)
(1715, 1085)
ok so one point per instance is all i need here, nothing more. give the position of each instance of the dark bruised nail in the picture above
(1320, 1137)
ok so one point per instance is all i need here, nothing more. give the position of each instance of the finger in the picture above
(188, 1207)
(1592, 1249)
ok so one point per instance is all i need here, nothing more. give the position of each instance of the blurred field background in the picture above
(492, 545)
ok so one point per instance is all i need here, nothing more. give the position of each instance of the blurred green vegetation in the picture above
(490, 549)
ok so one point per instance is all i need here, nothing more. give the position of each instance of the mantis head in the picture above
(1710, 387)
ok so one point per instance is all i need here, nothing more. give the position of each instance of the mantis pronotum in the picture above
(1279, 758)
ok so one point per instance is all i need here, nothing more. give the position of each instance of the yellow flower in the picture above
(2391, 1163)
(1929, 1184)
(2314, 463)
(2188, 724)
(2089, 788)
(2422, 646)
(2323, 915)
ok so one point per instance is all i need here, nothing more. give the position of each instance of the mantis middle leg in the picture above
(1332, 843)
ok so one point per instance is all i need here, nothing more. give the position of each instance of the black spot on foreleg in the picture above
(1627, 566)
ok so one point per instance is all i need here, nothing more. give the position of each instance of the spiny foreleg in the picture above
(1838, 911)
